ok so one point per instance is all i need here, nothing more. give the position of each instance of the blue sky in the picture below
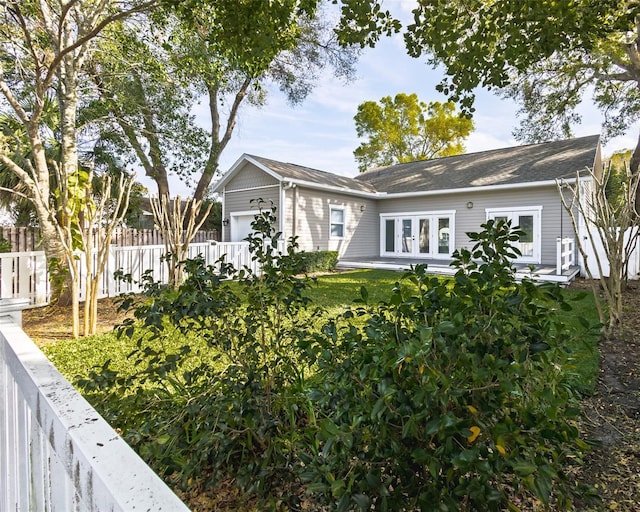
(320, 133)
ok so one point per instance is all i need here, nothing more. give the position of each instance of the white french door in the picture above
(426, 235)
(526, 220)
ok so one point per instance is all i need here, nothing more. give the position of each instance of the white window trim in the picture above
(342, 208)
(503, 209)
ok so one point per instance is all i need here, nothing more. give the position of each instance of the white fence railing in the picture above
(56, 453)
(566, 254)
(24, 274)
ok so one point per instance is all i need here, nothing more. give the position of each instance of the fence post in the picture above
(41, 277)
(110, 269)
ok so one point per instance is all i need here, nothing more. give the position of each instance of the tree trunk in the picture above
(634, 167)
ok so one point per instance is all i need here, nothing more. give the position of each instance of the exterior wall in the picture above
(240, 201)
(250, 177)
(310, 208)
(554, 219)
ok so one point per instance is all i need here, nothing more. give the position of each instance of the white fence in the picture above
(565, 254)
(24, 274)
(56, 453)
(633, 265)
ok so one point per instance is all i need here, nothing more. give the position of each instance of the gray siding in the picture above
(554, 219)
(250, 177)
(241, 202)
(312, 225)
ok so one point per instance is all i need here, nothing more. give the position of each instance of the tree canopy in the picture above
(545, 53)
(405, 129)
(150, 80)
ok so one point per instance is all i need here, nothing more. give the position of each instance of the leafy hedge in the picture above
(319, 261)
(450, 396)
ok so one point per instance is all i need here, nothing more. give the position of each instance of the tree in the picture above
(150, 79)
(103, 214)
(611, 223)
(404, 129)
(43, 48)
(546, 53)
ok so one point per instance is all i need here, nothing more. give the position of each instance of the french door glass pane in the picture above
(443, 235)
(525, 223)
(407, 242)
(423, 241)
(389, 235)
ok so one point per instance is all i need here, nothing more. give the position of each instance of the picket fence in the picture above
(23, 239)
(24, 274)
(56, 452)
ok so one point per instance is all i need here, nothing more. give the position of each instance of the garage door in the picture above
(241, 226)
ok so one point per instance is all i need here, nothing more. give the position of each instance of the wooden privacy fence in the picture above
(56, 452)
(28, 239)
(24, 275)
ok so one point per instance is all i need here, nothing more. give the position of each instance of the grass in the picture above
(332, 292)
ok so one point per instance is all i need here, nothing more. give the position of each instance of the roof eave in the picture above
(486, 188)
(333, 188)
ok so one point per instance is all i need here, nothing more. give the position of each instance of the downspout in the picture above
(287, 185)
(223, 237)
(294, 207)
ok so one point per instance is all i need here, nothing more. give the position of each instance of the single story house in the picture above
(415, 212)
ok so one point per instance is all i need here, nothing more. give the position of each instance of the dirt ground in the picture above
(611, 416)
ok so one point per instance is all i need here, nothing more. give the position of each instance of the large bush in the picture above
(450, 398)
(451, 395)
(233, 408)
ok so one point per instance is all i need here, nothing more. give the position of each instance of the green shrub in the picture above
(450, 395)
(451, 398)
(237, 413)
(319, 261)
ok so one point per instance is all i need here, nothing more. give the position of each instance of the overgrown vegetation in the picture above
(450, 398)
(449, 394)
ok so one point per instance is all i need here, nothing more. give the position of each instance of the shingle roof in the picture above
(301, 173)
(510, 166)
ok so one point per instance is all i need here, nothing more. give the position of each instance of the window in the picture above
(336, 228)
(421, 234)
(390, 235)
(443, 235)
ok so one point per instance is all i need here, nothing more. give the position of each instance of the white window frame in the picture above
(343, 209)
(537, 227)
(432, 215)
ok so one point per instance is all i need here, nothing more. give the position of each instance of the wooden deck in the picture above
(545, 273)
